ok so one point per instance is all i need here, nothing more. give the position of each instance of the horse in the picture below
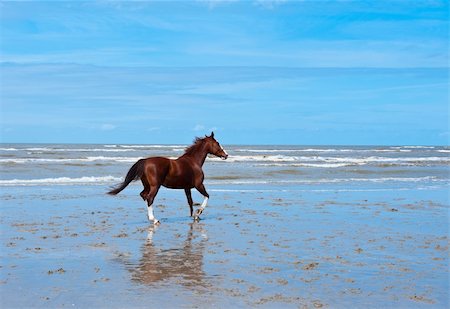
(184, 172)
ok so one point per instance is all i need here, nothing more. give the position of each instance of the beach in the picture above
(285, 227)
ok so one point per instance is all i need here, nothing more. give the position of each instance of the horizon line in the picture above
(138, 66)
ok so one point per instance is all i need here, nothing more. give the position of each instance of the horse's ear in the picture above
(212, 134)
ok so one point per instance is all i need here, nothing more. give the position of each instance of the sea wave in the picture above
(418, 147)
(8, 149)
(68, 160)
(102, 180)
(144, 146)
(107, 149)
(123, 148)
(328, 180)
(259, 160)
(330, 150)
(327, 190)
(333, 161)
(321, 165)
(86, 180)
(49, 150)
(271, 158)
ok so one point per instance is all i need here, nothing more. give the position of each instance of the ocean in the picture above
(317, 168)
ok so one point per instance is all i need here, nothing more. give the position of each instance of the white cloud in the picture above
(107, 127)
(269, 4)
(199, 127)
(212, 4)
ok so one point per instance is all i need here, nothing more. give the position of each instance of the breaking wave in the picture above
(92, 180)
(69, 160)
(87, 180)
(330, 180)
(259, 160)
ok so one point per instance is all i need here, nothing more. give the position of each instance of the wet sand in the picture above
(74, 246)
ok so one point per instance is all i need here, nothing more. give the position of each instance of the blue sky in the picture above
(256, 72)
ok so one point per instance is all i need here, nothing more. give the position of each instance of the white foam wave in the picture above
(145, 146)
(322, 165)
(444, 150)
(331, 161)
(419, 147)
(87, 180)
(107, 148)
(260, 160)
(256, 158)
(331, 150)
(74, 160)
(325, 190)
(8, 149)
(49, 149)
(92, 180)
(267, 150)
(328, 180)
(374, 159)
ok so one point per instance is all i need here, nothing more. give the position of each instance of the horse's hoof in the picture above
(196, 218)
(199, 212)
(156, 222)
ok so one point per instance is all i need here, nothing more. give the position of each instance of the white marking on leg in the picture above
(205, 201)
(201, 208)
(150, 215)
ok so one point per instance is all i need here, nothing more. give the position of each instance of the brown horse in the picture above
(183, 173)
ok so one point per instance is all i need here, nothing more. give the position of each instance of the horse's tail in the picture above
(135, 172)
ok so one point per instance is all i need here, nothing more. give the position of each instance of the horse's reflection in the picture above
(184, 263)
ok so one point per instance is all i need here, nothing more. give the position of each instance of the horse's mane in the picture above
(197, 143)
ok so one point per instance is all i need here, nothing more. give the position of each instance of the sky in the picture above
(254, 72)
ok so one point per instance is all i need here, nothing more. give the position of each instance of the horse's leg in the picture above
(146, 190)
(201, 188)
(189, 198)
(150, 199)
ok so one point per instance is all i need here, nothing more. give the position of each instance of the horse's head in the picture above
(215, 148)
